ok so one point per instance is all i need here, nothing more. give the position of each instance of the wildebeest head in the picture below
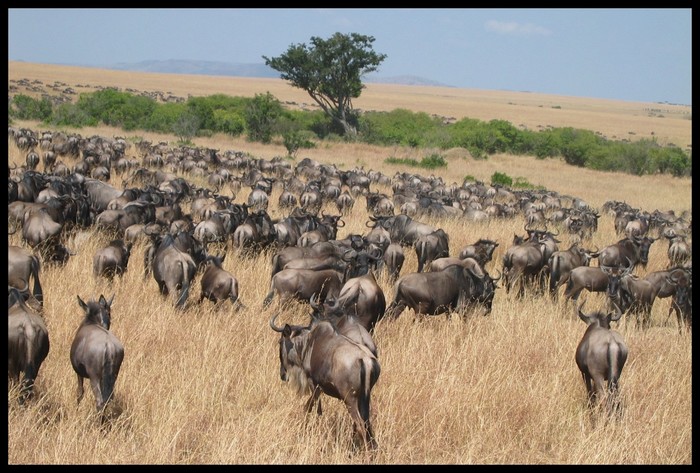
(98, 312)
(290, 356)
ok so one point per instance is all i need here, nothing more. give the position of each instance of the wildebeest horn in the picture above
(500, 274)
(579, 311)
(272, 323)
(313, 301)
(338, 223)
(629, 267)
(616, 314)
(370, 225)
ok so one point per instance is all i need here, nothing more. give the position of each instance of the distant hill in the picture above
(217, 68)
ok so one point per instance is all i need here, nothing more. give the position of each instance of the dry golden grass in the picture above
(202, 386)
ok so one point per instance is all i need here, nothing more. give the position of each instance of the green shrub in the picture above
(295, 140)
(502, 179)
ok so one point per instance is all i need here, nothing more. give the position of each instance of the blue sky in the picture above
(627, 54)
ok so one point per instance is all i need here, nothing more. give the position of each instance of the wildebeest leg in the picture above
(394, 309)
(30, 373)
(315, 394)
(97, 391)
(80, 390)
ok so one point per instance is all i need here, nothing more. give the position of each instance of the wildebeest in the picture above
(679, 251)
(562, 262)
(630, 293)
(600, 356)
(96, 354)
(363, 298)
(302, 284)
(481, 251)
(217, 283)
(27, 343)
(484, 287)
(346, 322)
(430, 247)
(682, 301)
(111, 260)
(393, 258)
(317, 358)
(585, 277)
(449, 290)
(173, 269)
(21, 266)
(522, 263)
(636, 249)
(403, 229)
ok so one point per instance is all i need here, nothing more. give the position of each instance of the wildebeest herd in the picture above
(191, 229)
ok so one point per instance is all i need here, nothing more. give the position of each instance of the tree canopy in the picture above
(331, 72)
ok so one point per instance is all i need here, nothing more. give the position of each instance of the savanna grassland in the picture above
(202, 386)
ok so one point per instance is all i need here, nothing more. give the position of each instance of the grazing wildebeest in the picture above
(319, 359)
(600, 356)
(22, 265)
(96, 353)
(485, 286)
(217, 283)
(27, 343)
(111, 260)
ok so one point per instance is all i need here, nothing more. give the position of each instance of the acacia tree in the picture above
(331, 72)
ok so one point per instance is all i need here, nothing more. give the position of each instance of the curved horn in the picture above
(629, 267)
(617, 313)
(338, 223)
(314, 302)
(500, 274)
(579, 311)
(272, 323)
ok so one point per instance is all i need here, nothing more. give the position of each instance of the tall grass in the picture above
(202, 386)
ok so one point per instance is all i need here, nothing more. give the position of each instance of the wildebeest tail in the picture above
(38, 293)
(185, 292)
(367, 379)
(422, 249)
(554, 275)
(108, 379)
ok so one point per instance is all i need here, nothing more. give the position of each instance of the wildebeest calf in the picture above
(217, 283)
(111, 260)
